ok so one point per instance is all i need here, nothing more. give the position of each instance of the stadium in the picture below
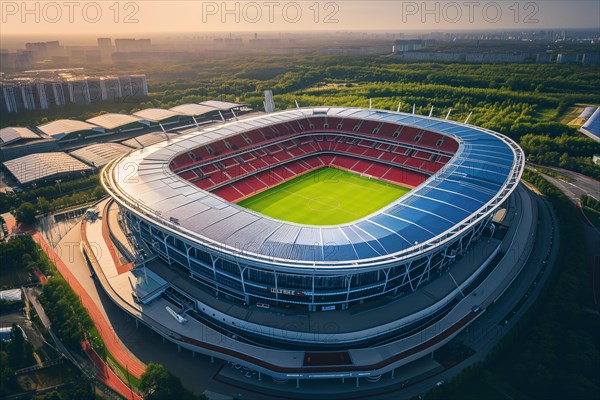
(272, 233)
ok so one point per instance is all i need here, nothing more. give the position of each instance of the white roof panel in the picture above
(156, 114)
(148, 139)
(39, 166)
(62, 127)
(192, 109)
(112, 121)
(98, 155)
(221, 105)
(14, 134)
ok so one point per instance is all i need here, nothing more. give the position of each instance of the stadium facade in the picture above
(177, 198)
(466, 174)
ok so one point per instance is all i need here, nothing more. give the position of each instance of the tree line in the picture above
(49, 197)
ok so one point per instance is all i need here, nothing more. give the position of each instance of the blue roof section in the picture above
(423, 218)
(484, 170)
(592, 125)
(361, 245)
(462, 190)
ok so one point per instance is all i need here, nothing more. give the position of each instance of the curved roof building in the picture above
(483, 171)
(253, 288)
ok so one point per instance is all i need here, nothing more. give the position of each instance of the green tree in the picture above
(43, 205)
(20, 351)
(25, 214)
(7, 377)
(159, 384)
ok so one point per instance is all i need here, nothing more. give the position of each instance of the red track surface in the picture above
(113, 344)
(106, 375)
(10, 225)
(41, 277)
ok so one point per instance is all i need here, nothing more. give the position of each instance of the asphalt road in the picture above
(579, 185)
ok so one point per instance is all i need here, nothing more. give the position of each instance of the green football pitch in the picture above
(326, 196)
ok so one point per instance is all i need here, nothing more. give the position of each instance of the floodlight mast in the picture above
(468, 116)
(448, 115)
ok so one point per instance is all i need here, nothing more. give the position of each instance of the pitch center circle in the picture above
(323, 203)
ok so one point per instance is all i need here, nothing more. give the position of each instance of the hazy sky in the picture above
(109, 18)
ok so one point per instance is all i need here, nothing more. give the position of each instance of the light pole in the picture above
(58, 181)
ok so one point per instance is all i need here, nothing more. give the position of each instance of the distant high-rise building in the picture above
(55, 94)
(41, 90)
(7, 60)
(105, 47)
(39, 50)
(24, 60)
(567, 58)
(591, 59)
(543, 58)
(401, 46)
(105, 43)
(79, 92)
(110, 88)
(126, 88)
(28, 96)
(44, 50)
(41, 98)
(132, 45)
(95, 89)
(54, 49)
(8, 101)
(139, 86)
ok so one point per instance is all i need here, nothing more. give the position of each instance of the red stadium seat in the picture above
(265, 164)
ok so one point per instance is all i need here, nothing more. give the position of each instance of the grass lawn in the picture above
(571, 114)
(326, 196)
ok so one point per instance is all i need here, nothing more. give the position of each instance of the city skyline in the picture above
(134, 18)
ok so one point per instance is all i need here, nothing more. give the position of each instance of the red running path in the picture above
(41, 277)
(106, 375)
(114, 346)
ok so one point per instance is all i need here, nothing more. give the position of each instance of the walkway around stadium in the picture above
(173, 325)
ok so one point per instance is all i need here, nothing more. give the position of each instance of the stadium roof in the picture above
(14, 134)
(592, 127)
(98, 155)
(5, 333)
(113, 121)
(221, 105)
(63, 127)
(11, 294)
(483, 172)
(193, 109)
(587, 112)
(41, 166)
(148, 139)
(156, 114)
